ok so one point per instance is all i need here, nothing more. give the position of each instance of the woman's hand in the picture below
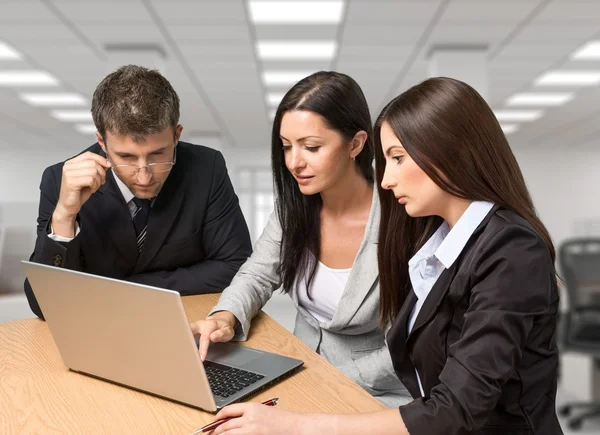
(216, 328)
(257, 419)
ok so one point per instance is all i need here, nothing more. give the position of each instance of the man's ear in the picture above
(101, 142)
(178, 131)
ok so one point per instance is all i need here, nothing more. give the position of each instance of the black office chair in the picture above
(580, 266)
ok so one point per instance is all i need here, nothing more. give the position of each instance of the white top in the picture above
(128, 199)
(439, 253)
(326, 291)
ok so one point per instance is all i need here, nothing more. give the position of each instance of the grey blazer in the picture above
(352, 342)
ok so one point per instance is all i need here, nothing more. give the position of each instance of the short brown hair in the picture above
(134, 101)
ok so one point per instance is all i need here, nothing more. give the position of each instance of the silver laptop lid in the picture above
(127, 333)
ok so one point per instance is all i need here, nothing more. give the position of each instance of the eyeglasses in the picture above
(153, 168)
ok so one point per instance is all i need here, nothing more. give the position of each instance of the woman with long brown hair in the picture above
(466, 277)
(320, 244)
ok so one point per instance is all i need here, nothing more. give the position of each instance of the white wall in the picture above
(20, 174)
(565, 185)
(244, 157)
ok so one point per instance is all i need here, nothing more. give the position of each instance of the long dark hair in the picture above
(452, 134)
(340, 102)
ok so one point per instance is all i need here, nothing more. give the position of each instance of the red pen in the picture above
(216, 424)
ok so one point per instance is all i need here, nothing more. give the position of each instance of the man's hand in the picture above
(81, 177)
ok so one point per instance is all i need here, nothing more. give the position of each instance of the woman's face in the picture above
(317, 156)
(411, 186)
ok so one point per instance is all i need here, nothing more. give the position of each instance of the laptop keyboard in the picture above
(225, 381)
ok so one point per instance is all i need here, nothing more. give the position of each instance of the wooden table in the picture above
(39, 395)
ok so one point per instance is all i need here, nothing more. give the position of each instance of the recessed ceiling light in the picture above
(86, 128)
(518, 115)
(288, 50)
(53, 99)
(9, 53)
(589, 51)
(284, 78)
(274, 98)
(27, 78)
(296, 12)
(509, 128)
(72, 115)
(540, 99)
(573, 78)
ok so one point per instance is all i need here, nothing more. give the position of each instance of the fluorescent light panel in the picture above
(589, 51)
(72, 115)
(27, 78)
(540, 99)
(518, 115)
(296, 12)
(9, 53)
(282, 78)
(274, 98)
(288, 50)
(53, 99)
(86, 128)
(569, 78)
(509, 128)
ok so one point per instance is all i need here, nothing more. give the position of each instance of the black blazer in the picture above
(484, 342)
(197, 236)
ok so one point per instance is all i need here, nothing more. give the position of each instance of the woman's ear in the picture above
(358, 143)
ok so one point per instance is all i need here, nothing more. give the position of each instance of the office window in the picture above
(255, 191)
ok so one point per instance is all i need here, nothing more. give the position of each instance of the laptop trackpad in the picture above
(231, 354)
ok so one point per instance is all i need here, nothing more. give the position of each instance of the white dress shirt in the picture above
(439, 253)
(127, 195)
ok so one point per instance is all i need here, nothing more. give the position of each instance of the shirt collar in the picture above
(452, 245)
(432, 244)
(127, 195)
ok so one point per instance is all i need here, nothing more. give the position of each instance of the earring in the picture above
(353, 158)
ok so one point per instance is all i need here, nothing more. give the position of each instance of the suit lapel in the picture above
(307, 316)
(364, 274)
(435, 296)
(162, 216)
(442, 285)
(111, 205)
(397, 345)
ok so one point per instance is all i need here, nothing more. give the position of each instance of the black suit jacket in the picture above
(197, 236)
(484, 342)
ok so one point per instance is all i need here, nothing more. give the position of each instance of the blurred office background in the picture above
(536, 61)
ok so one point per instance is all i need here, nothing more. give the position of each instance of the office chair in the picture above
(579, 261)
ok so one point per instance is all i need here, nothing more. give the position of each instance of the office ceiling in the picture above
(210, 57)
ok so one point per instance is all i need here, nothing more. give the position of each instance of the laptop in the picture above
(139, 337)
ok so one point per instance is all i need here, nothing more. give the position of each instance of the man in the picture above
(139, 205)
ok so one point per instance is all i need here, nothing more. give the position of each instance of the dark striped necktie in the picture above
(140, 220)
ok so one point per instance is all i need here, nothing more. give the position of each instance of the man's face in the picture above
(144, 183)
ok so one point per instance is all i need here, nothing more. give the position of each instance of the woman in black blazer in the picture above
(467, 280)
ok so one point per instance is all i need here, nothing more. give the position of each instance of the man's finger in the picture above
(89, 156)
